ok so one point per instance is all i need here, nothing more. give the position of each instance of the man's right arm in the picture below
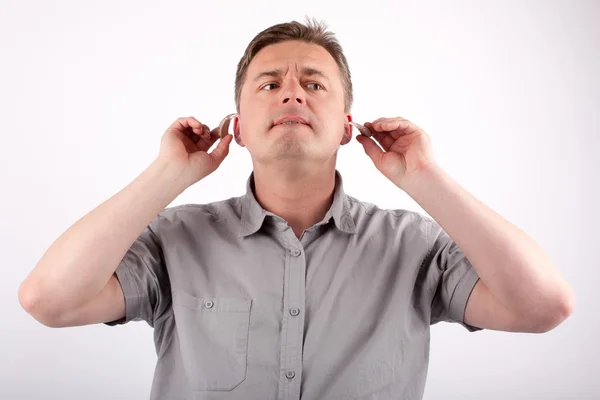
(74, 283)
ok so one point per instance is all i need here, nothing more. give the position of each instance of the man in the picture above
(294, 290)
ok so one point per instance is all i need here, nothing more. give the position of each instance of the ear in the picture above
(347, 130)
(236, 131)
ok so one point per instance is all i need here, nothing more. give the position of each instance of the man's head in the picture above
(293, 70)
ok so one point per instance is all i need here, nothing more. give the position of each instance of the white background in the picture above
(508, 91)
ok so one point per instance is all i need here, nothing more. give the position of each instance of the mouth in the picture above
(289, 123)
(291, 120)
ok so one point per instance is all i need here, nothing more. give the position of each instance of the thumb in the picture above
(371, 149)
(220, 152)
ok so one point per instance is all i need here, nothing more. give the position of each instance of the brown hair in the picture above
(313, 32)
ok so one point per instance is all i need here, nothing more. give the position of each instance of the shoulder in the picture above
(397, 219)
(198, 213)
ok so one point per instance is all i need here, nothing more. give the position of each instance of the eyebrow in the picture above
(306, 71)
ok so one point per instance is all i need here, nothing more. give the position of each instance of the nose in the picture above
(293, 93)
(299, 100)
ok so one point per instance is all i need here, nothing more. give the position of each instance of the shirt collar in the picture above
(253, 215)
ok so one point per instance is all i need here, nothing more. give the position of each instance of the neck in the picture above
(302, 198)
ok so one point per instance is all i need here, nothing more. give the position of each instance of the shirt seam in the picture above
(429, 243)
(376, 209)
(212, 208)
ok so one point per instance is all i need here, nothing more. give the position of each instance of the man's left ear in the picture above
(347, 130)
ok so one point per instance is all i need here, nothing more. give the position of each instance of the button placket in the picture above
(293, 321)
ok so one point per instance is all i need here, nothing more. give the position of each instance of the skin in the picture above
(294, 165)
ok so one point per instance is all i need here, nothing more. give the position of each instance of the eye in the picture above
(269, 84)
(318, 86)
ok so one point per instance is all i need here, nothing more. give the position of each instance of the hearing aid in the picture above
(224, 125)
(361, 128)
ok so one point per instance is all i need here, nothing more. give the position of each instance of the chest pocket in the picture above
(213, 337)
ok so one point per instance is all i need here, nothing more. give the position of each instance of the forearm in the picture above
(78, 265)
(513, 267)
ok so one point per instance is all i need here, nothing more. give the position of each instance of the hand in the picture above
(185, 144)
(406, 149)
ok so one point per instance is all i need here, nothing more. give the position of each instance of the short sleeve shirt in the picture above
(243, 309)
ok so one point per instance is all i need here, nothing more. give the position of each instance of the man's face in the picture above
(293, 79)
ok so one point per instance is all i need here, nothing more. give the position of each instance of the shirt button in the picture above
(296, 252)
(290, 374)
(294, 311)
(209, 304)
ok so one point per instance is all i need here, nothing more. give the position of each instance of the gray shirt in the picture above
(242, 309)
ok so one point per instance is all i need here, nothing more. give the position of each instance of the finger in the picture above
(380, 123)
(200, 133)
(190, 127)
(184, 123)
(189, 140)
(405, 127)
(398, 127)
(393, 124)
(220, 152)
(377, 132)
(384, 139)
(205, 131)
(215, 132)
(209, 138)
(376, 125)
(378, 120)
(370, 148)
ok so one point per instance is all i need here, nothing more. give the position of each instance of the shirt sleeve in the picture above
(143, 277)
(457, 277)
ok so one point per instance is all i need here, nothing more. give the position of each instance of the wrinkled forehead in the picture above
(295, 57)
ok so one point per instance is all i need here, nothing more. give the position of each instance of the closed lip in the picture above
(291, 118)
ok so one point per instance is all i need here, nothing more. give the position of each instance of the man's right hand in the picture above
(185, 144)
(84, 259)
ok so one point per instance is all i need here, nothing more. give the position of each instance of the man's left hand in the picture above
(406, 149)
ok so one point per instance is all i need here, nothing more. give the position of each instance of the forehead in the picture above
(293, 54)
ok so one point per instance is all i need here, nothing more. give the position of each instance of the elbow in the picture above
(33, 303)
(561, 308)
(27, 298)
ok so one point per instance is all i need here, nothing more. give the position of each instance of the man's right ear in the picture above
(236, 131)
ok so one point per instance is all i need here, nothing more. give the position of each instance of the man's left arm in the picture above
(519, 289)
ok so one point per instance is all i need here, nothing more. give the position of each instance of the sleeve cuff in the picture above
(130, 292)
(458, 303)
